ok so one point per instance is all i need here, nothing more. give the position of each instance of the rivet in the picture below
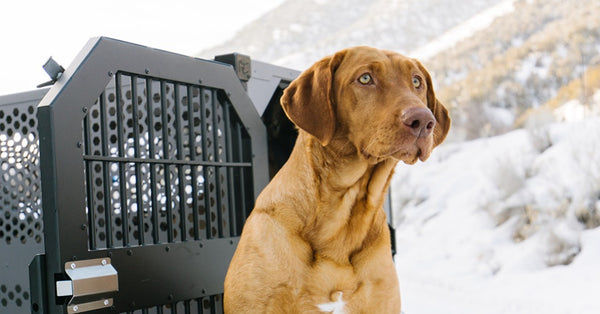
(84, 109)
(167, 249)
(73, 266)
(83, 227)
(75, 308)
(199, 81)
(103, 262)
(147, 71)
(106, 302)
(79, 144)
(129, 252)
(170, 297)
(110, 73)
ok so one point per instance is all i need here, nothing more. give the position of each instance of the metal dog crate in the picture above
(125, 185)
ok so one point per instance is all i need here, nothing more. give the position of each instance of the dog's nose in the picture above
(419, 120)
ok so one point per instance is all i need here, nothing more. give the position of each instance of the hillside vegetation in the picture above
(520, 62)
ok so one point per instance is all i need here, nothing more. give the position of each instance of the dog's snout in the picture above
(419, 120)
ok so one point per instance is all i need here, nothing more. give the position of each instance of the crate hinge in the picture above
(91, 285)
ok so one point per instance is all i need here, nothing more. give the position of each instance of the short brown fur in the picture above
(318, 233)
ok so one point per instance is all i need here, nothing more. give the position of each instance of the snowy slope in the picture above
(497, 225)
(299, 32)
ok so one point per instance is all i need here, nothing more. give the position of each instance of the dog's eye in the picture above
(365, 79)
(416, 81)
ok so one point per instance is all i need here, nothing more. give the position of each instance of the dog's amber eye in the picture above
(365, 79)
(416, 82)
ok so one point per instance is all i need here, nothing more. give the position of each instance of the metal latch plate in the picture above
(89, 278)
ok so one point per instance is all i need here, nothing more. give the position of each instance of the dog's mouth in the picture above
(420, 149)
(408, 149)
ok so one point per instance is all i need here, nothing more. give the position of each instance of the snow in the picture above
(463, 30)
(491, 226)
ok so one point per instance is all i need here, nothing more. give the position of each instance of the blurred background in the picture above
(504, 216)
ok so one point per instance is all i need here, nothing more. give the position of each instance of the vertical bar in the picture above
(105, 152)
(186, 305)
(229, 156)
(137, 153)
(193, 158)
(203, 123)
(89, 182)
(215, 104)
(122, 165)
(213, 306)
(151, 148)
(180, 156)
(167, 167)
(241, 181)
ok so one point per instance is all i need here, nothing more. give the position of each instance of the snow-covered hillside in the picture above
(299, 32)
(498, 225)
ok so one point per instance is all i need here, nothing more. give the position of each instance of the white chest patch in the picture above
(336, 307)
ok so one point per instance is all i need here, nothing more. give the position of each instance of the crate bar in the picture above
(136, 148)
(105, 152)
(89, 182)
(167, 169)
(215, 104)
(180, 156)
(122, 165)
(168, 161)
(241, 180)
(192, 158)
(229, 158)
(152, 152)
(203, 123)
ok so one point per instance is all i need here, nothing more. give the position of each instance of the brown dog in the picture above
(317, 240)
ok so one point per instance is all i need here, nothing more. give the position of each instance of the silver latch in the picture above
(88, 278)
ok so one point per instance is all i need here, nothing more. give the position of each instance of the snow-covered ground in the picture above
(463, 30)
(498, 225)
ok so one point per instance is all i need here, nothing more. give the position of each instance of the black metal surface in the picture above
(153, 159)
(21, 224)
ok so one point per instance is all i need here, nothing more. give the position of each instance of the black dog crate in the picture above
(147, 163)
(125, 185)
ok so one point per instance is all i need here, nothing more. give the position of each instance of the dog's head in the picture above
(379, 101)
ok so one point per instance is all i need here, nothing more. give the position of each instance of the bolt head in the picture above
(73, 266)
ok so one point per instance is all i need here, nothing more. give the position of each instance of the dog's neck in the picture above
(348, 210)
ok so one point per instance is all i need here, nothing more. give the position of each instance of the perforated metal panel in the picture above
(162, 168)
(21, 226)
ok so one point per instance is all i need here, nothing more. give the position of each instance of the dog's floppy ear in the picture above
(440, 112)
(308, 100)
